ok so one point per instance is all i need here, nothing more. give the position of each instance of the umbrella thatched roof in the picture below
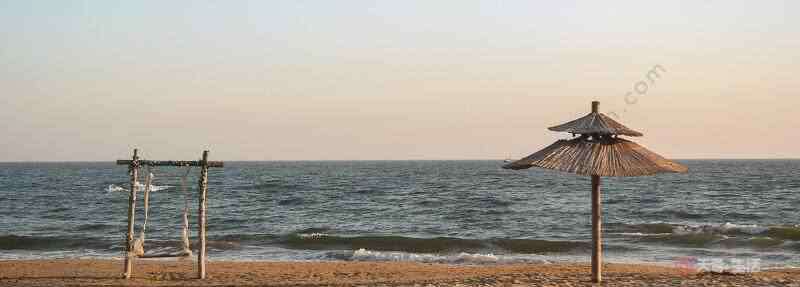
(607, 156)
(598, 151)
(595, 123)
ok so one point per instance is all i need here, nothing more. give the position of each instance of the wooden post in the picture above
(597, 240)
(203, 188)
(134, 172)
(595, 106)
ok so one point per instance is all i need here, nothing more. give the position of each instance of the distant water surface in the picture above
(430, 211)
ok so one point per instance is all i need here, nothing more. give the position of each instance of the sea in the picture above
(454, 212)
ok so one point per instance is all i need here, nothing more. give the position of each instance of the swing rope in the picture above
(138, 243)
(187, 249)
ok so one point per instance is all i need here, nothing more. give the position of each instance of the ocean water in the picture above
(430, 211)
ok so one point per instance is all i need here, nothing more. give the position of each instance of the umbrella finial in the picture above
(595, 106)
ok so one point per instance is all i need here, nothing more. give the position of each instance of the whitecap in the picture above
(314, 235)
(117, 188)
(721, 229)
(640, 234)
(746, 228)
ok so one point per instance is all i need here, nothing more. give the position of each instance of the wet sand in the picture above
(86, 272)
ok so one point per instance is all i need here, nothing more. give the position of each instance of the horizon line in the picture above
(366, 160)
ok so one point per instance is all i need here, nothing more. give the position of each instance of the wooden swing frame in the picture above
(133, 166)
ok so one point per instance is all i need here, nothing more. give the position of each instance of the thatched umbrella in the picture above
(598, 151)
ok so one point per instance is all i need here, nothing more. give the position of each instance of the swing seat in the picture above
(165, 255)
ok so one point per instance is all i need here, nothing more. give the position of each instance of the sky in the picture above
(392, 80)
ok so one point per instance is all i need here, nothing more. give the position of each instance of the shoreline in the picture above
(108, 272)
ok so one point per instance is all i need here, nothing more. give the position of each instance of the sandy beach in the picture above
(221, 273)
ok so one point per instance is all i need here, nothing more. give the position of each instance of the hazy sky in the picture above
(89, 80)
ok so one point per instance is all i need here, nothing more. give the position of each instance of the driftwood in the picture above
(201, 256)
(171, 163)
(134, 173)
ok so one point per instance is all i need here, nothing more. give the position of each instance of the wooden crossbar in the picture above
(171, 163)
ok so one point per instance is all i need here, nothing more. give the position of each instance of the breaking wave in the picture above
(24, 242)
(318, 239)
(117, 188)
(727, 235)
(460, 258)
(449, 245)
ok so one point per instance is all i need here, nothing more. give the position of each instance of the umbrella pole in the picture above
(597, 245)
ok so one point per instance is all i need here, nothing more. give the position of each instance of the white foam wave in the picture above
(721, 228)
(746, 228)
(117, 188)
(314, 235)
(464, 258)
(641, 234)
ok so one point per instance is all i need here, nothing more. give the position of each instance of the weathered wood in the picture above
(203, 188)
(597, 234)
(133, 167)
(171, 163)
